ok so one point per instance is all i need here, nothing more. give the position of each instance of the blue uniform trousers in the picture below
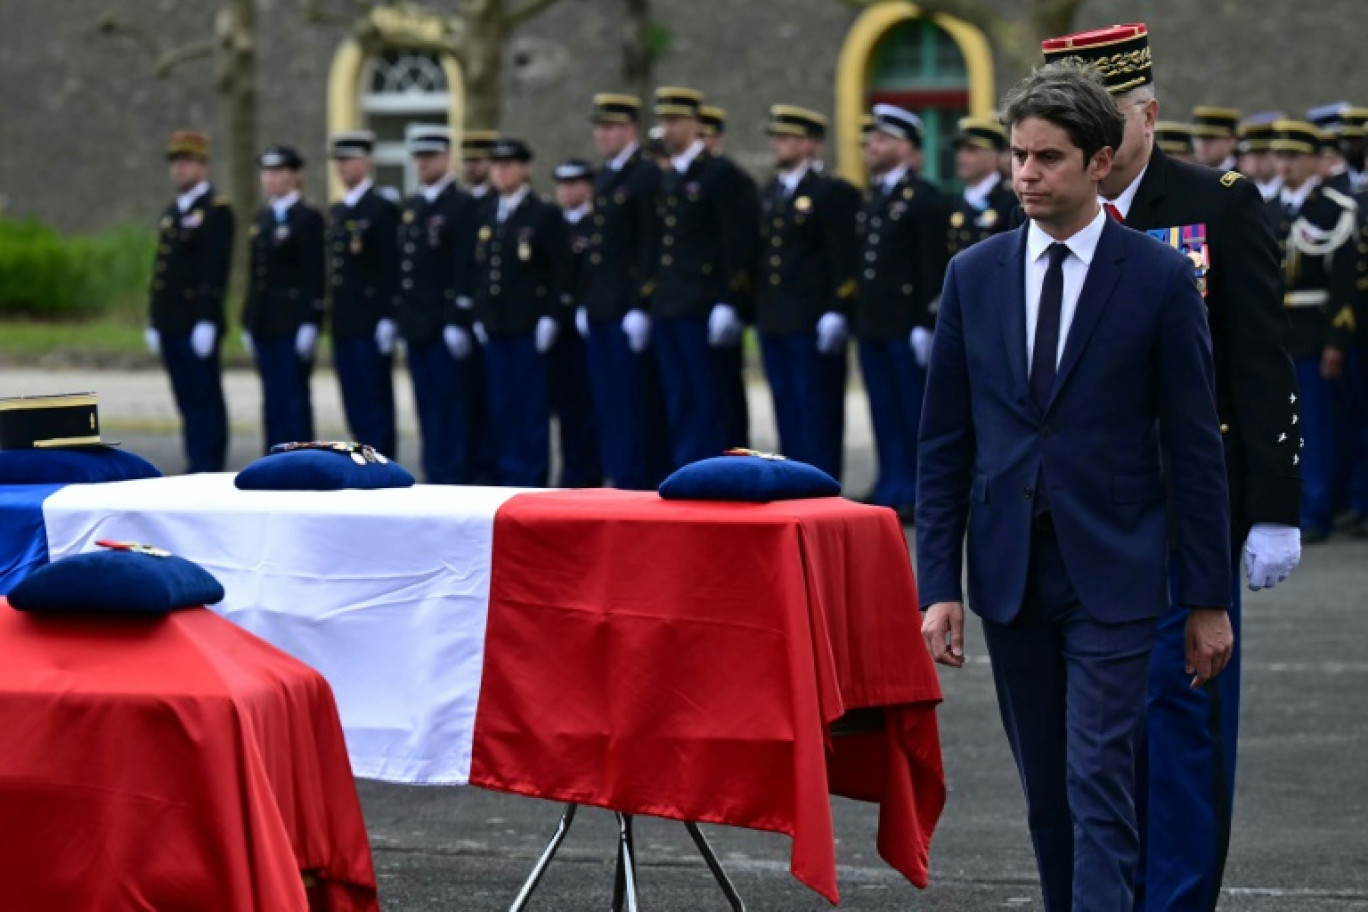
(483, 469)
(286, 410)
(809, 399)
(515, 378)
(197, 384)
(1071, 691)
(442, 402)
(729, 380)
(366, 378)
(1318, 453)
(1354, 404)
(1186, 770)
(618, 385)
(691, 396)
(570, 400)
(895, 385)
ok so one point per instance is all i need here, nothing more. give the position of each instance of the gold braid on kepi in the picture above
(1120, 53)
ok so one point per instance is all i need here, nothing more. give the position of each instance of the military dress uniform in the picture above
(698, 271)
(1320, 256)
(628, 403)
(189, 281)
(729, 360)
(902, 258)
(433, 305)
(568, 396)
(1186, 762)
(980, 211)
(521, 261)
(804, 274)
(363, 230)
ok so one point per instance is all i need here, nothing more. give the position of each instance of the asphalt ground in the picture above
(1300, 841)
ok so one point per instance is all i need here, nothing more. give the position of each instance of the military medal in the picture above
(742, 451)
(908, 193)
(192, 219)
(360, 453)
(988, 219)
(132, 547)
(486, 232)
(282, 233)
(524, 250)
(1190, 241)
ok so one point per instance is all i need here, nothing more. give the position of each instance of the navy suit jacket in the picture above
(1129, 441)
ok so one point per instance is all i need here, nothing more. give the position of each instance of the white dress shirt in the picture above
(891, 179)
(977, 195)
(185, 199)
(1269, 188)
(432, 191)
(1126, 199)
(355, 193)
(791, 179)
(1081, 246)
(282, 205)
(1295, 199)
(621, 159)
(576, 215)
(683, 160)
(509, 204)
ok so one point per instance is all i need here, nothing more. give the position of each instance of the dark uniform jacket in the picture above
(805, 266)
(194, 258)
(902, 258)
(1320, 271)
(521, 266)
(699, 244)
(970, 224)
(1256, 388)
(618, 263)
(285, 285)
(434, 279)
(363, 246)
(578, 235)
(746, 194)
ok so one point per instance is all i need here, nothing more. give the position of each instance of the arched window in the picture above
(919, 67)
(401, 89)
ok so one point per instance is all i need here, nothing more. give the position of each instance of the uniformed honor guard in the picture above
(612, 292)
(475, 148)
(1217, 132)
(363, 234)
(902, 257)
(1317, 225)
(1187, 764)
(567, 370)
(986, 204)
(1354, 144)
(1176, 140)
(521, 257)
(871, 168)
(1329, 119)
(190, 278)
(1257, 161)
(283, 310)
(698, 271)
(434, 309)
(729, 360)
(805, 290)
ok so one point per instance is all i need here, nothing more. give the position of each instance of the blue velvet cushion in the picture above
(118, 582)
(320, 470)
(73, 466)
(750, 477)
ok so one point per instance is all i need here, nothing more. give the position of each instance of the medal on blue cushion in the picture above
(132, 547)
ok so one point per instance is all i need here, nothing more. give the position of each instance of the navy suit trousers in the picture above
(1071, 691)
(198, 387)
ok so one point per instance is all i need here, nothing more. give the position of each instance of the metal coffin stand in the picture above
(624, 887)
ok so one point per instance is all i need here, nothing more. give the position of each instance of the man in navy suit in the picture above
(1070, 424)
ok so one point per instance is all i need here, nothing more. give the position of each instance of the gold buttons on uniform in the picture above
(666, 260)
(595, 259)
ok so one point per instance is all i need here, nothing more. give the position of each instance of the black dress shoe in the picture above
(1314, 536)
(1346, 522)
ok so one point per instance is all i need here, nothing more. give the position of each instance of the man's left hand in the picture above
(1332, 363)
(1209, 643)
(1272, 551)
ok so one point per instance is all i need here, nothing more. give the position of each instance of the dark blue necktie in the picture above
(1047, 327)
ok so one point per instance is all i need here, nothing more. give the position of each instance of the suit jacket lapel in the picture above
(1013, 279)
(1097, 290)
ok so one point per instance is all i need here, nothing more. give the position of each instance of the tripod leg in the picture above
(544, 861)
(706, 850)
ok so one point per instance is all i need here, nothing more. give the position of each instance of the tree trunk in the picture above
(235, 78)
(637, 62)
(486, 34)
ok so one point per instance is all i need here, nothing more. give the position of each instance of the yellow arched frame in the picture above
(852, 72)
(397, 29)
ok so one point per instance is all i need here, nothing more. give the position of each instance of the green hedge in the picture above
(47, 276)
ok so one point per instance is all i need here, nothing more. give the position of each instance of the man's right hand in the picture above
(943, 630)
(1209, 644)
(152, 338)
(1332, 363)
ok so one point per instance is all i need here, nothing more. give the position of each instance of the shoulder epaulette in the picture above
(1230, 177)
(221, 200)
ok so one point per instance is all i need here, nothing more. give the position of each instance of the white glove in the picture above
(921, 345)
(637, 327)
(724, 326)
(385, 334)
(582, 322)
(202, 339)
(546, 334)
(153, 340)
(458, 342)
(480, 333)
(831, 333)
(248, 345)
(1272, 551)
(305, 339)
